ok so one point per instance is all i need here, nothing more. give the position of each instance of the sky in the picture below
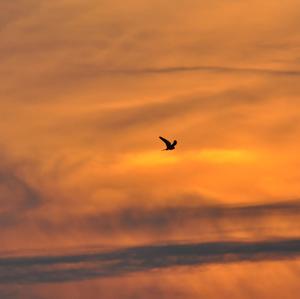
(90, 207)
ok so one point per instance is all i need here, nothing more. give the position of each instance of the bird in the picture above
(170, 146)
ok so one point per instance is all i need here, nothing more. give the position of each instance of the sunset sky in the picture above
(90, 205)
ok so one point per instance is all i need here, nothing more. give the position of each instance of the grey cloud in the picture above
(84, 266)
(17, 196)
(213, 219)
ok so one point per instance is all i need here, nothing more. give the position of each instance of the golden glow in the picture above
(224, 156)
(152, 159)
(215, 156)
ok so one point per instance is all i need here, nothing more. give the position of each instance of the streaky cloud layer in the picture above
(73, 267)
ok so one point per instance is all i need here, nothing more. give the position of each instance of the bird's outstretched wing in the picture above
(167, 142)
(174, 143)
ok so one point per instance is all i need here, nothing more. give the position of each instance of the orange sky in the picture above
(86, 89)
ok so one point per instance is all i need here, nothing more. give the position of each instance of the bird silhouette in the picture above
(170, 146)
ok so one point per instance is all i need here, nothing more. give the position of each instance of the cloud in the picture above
(154, 115)
(83, 266)
(17, 196)
(53, 49)
(182, 221)
(94, 71)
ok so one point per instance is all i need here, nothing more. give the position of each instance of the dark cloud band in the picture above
(83, 266)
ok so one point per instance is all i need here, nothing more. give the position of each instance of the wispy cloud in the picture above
(17, 196)
(210, 221)
(94, 71)
(83, 266)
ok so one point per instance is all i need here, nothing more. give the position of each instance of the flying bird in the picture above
(170, 146)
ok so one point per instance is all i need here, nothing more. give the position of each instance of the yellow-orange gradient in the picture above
(86, 89)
